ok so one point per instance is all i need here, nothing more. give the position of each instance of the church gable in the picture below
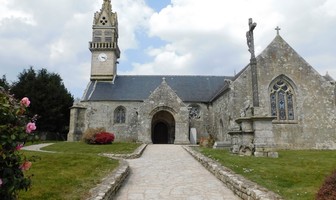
(279, 58)
(164, 95)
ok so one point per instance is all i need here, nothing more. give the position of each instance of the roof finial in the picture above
(277, 29)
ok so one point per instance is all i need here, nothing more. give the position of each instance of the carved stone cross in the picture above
(249, 37)
(277, 29)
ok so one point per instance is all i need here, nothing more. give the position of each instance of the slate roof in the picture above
(138, 88)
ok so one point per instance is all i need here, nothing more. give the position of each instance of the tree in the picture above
(51, 100)
(4, 83)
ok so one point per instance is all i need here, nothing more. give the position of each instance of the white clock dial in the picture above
(102, 57)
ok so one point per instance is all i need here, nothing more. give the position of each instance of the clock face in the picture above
(102, 57)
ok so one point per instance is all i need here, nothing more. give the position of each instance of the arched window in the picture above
(120, 115)
(282, 100)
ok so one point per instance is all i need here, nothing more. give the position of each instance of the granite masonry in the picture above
(278, 101)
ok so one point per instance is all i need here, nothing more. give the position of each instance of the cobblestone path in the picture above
(169, 172)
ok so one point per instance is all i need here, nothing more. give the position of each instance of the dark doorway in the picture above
(163, 128)
(160, 135)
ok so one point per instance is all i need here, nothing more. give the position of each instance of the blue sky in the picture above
(181, 37)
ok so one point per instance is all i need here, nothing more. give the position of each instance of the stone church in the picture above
(278, 101)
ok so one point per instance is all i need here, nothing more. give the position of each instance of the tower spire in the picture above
(104, 44)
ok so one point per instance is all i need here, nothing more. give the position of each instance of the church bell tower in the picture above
(104, 46)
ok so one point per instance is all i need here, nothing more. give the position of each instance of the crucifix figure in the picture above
(249, 37)
(277, 29)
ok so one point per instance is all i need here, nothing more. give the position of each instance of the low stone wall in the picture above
(242, 187)
(110, 185)
(136, 154)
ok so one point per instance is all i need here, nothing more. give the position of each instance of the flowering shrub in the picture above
(14, 132)
(104, 138)
(90, 133)
(328, 189)
(98, 136)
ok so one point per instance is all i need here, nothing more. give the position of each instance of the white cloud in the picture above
(199, 37)
(167, 60)
(6, 13)
(132, 17)
(212, 34)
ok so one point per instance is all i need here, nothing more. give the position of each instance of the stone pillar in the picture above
(263, 137)
(145, 131)
(181, 133)
(76, 120)
(255, 137)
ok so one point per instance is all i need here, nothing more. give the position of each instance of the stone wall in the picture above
(314, 124)
(314, 99)
(229, 106)
(242, 187)
(203, 122)
(110, 185)
(101, 114)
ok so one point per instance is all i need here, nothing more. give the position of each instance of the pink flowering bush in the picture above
(14, 132)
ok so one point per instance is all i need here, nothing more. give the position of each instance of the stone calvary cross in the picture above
(250, 38)
(253, 62)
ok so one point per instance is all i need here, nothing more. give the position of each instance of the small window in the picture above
(108, 39)
(281, 99)
(97, 32)
(97, 39)
(103, 21)
(120, 115)
(108, 32)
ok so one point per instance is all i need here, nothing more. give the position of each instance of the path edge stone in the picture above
(110, 185)
(242, 187)
(136, 154)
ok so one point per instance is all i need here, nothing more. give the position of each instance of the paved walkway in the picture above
(37, 147)
(169, 172)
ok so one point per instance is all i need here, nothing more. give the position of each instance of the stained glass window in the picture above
(281, 99)
(119, 115)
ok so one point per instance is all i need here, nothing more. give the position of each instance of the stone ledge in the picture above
(136, 154)
(110, 185)
(242, 187)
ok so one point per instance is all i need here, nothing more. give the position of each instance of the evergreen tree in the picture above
(51, 99)
(4, 83)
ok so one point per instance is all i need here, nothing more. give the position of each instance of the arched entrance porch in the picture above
(163, 128)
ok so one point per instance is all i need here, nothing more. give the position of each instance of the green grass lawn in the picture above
(294, 175)
(71, 173)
